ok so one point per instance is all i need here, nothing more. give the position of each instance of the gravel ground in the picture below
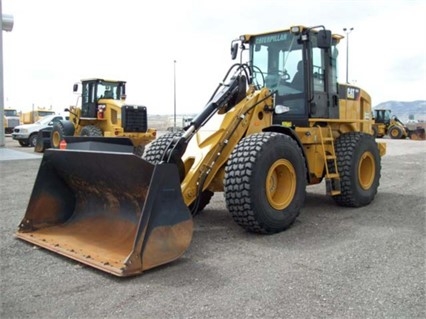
(334, 262)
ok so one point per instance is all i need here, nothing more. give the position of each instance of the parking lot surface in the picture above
(334, 262)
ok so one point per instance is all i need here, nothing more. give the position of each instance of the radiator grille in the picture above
(134, 118)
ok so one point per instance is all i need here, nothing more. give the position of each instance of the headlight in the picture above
(23, 130)
(295, 30)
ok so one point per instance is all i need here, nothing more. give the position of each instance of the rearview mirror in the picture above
(234, 50)
(324, 39)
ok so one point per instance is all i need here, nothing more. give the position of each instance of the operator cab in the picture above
(382, 116)
(300, 65)
(93, 90)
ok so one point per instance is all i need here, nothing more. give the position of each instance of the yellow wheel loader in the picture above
(104, 113)
(386, 124)
(263, 137)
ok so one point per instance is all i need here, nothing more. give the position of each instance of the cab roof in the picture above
(300, 29)
(102, 80)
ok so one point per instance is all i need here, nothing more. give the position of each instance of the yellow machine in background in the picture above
(386, 124)
(35, 115)
(273, 126)
(104, 113)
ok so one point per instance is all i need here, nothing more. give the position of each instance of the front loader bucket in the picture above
(418, 134)
(112, 211)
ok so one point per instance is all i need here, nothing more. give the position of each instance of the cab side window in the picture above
(318, 70)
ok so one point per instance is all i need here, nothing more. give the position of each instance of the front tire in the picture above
(375, 131)
(39, 148)
(359, 165)
(32, 141)
(395, 132)
(265, 182)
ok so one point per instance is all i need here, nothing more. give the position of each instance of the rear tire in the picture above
(23, 143)
(138, 150)
(359, 165)
(39, 148)
(60, 130)
(265, 182)
(91, 130)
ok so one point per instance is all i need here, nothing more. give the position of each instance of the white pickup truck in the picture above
(26, 134)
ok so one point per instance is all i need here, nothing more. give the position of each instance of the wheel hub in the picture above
(281, 184)
(366, 170)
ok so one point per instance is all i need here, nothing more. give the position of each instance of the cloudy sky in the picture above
(56, 43)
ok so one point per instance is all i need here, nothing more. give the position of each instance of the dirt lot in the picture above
(333, 263)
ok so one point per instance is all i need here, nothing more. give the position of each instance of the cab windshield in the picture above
(277, 57)
(109, 90)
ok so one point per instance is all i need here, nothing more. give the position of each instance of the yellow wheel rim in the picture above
(394, 132)
(56, 139)
(366, 170)
(281, 184)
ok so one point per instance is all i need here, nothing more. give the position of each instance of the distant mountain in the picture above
(404, 109)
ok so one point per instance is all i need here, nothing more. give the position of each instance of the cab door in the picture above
(325, 101)
(89, 103)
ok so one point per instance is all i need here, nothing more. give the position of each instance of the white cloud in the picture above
(56, 43)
